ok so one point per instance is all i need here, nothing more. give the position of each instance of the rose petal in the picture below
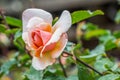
(56, 52)
(37, 52)
(45, 27)
(36, 38)
(57, 47)
(43, 62)
(30, 13)
(48, 58)
(25, 37)
(63, 24)
(26, 33)
(32, 23)
(49, 47)
(45, 36)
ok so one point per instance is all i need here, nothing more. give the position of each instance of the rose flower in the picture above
(44, 42)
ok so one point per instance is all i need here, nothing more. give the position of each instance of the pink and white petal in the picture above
(56, 52)
(43, 62)
(27, 40)
(45, 36)
(25, 37)
(32, 23)
(30, 13)
(58, 48)
(64, 23)
(55, 37)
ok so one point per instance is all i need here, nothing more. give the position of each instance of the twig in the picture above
(64, 72)
(89, 66)
(84, 63)
(4, 18)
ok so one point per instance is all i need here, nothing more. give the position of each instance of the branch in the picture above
(64, 72)
(84, 63)
(89, 66)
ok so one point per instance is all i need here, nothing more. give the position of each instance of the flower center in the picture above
(40, 37)
(36, 38)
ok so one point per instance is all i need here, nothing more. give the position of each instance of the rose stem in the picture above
(64, 72)
(84, 63)
(4, 18)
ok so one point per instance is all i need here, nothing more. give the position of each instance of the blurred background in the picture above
(15, 8)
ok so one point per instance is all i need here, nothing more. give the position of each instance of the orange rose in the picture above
(45, 42)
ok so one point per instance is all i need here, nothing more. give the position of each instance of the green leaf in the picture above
(108, 41)
(54, 78)
(18, 42)
(117, 70)
(89, 26)
(117, 34)
(13, 21)
(103, 65)
(99, 50)
(110, 45)
(18, 34)
(77, 46)
(69, 46)
(110, 77)
(83, 73)
(25, 60)
(11, 31)
(105, 38)
(84, 14)
(117, 17)
(33, 74)
(73, 77)
(55, 20)
(52, 73)
(6, 66)
(95, 33)
(2, 28)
